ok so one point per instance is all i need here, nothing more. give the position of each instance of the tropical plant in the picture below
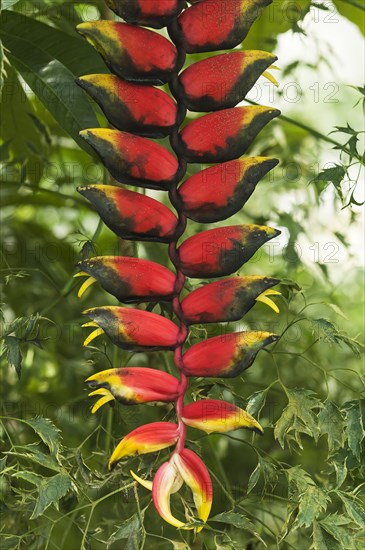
(300, 485)
(139, 58)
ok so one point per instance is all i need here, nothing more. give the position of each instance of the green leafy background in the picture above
(301, 485)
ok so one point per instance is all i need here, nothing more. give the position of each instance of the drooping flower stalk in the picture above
(141, 59)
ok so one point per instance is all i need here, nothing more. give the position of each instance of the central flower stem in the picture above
(174, 255)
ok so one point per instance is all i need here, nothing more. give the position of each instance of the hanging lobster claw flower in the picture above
(195, 474)
(223, 80)
(132, 329)
(218, 192)
(148, 438)
(225, 300)
(216, 24)
(133, 159)
(213, 415)
(129, 279)
(142, 110)
(135, 54)
(226, 356)
(152, 13)
(131, 215)
(220, 252)
(224, 135)
(134, 385)
(167, 481)
(186, 467)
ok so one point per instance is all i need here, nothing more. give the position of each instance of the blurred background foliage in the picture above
(301, 485)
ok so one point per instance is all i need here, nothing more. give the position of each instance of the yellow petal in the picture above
(93, 335)
(100, 391)
(144, 482)
(81, 274)
(271, 78)
(100, 402)
(85, 285)
(90, 324)
(265, 300)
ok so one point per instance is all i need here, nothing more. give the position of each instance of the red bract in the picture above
(133, 329)
(134, 385)
(220, 191)
(131, 280)
(137, 59)
(152, 13)
(223, 80)
(226, 356)
(130, 52)
(145, 439)
(132, 159)
(143, 110)
(224, 135)
(216, 24)
(131, 215)
(222, 251)
(226, 300)
(213, 415)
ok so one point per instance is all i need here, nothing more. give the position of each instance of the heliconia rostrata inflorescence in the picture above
(139, 60)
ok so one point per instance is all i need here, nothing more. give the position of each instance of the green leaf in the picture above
(298, 482)
(6, 4)
(2, 66)
(254, 478)
(336, 525)
(51, 81)
(354, 427)
(9, 542)
(48, 433)
(338, 310)
(32, 478)
(51, 490)
(13, 353)
(256, 402)
(298, 416)
(323, 540)
(130, 530)
(73, 52)
(325, 330)
(35, 455)
(3, 461)
(335, 175)
(267, 471)
(237, 520)
(341, 471)
(312, 502)
(332, 424)
(354, 509)
(17, 128)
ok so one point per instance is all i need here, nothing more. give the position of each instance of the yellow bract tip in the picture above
(144, 482)
(98, 332)
(81, 274)
(85, 285)
(90, 324)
